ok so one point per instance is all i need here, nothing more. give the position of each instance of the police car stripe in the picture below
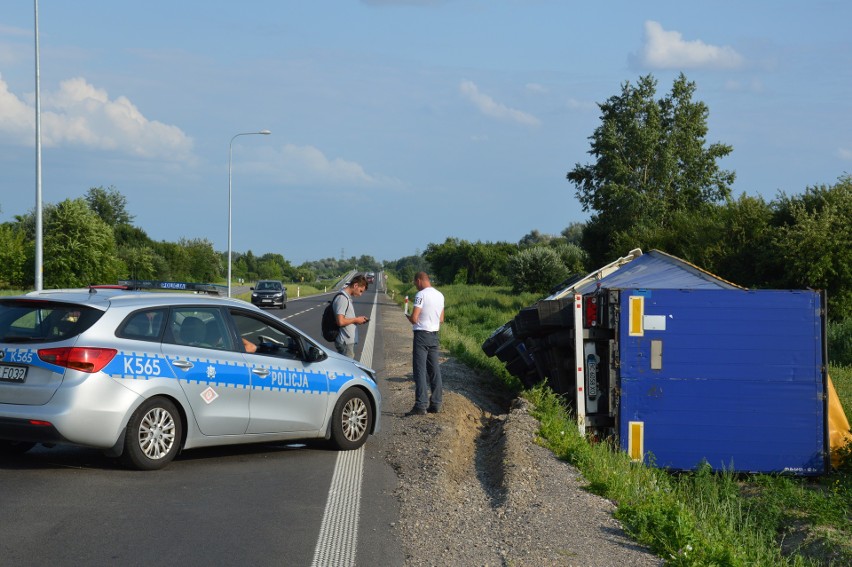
(338, 538)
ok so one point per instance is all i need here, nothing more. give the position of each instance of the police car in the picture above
(145, 375)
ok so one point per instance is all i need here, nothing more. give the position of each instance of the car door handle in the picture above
(183, 364)
(262, 372)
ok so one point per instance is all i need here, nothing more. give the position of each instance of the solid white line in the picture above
(337, 543)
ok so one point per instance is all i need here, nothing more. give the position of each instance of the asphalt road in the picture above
(248, 505)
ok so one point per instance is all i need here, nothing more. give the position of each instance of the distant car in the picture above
(371, 277)
(269, 293)
(145, 375)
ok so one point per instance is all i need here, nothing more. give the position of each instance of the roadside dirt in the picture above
(474, 486)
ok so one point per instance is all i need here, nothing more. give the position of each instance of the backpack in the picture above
(330, 330)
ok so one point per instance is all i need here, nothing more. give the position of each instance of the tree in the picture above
(814, 243)
(109, 205)
(15, 270)
(79, 248)
(651, 164)
(536, 270)
(202, 262)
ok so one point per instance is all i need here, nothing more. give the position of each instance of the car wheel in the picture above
(10, 448)
(153, 435)
(352, 420)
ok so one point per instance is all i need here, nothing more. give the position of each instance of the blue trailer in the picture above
(682, 367)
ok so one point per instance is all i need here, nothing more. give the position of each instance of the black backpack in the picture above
(330, 330)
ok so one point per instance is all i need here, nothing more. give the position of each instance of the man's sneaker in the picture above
(435, 409)
(416, 411)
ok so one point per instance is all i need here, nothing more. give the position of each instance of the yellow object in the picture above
(636, 440)
(637, 315)
(838, 425)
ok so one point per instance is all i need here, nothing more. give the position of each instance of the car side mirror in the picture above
(315, 354)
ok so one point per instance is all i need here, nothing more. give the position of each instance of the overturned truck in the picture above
(681, 367)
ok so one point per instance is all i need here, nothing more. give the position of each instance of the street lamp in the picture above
(230, 147)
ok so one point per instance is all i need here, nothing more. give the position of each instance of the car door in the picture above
(211, 371)
(287, 395)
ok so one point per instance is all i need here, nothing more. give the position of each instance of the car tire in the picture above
(352, 420)
(12, 448)
(153, 436)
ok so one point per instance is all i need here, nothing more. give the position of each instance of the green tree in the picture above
(110, 205)
(460, 261)
(813, 242)
(202, 261)
(140, 261)
(652, 163)
(573, 233)
(79, 248)
(536, 270)
(15, 270)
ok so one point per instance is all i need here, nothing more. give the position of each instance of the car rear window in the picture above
(35, 321)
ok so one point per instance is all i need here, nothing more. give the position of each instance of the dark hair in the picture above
(358, 279)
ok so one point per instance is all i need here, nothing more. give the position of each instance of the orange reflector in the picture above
(636, 440)
(637, 315)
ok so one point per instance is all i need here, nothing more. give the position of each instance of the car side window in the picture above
(144, 325)
(198, 327)
(260, 337)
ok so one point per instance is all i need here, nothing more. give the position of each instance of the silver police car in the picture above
(145, 375)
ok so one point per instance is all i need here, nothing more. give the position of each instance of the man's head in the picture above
(357, 285)
(421, 280)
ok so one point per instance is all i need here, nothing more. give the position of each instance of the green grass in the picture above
(697, 518)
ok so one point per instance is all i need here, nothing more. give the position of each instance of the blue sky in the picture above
(396, 123)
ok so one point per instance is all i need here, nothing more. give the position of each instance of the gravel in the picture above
(475, 488)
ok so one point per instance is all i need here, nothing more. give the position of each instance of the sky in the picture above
(396, 123)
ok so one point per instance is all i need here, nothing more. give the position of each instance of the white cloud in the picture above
(78, 114)
(845, 154)
(490, 107)
(668, 50)
(308, 165)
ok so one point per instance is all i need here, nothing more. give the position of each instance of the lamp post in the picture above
(230, 148)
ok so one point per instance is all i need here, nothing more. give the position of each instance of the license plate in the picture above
(9, 373)
(267, 300)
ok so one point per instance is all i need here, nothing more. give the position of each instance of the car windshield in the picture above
(41, 321)
(269, 286)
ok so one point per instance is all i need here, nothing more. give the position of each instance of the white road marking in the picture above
(337, 544)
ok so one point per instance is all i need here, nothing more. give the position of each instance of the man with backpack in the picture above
(345, 318)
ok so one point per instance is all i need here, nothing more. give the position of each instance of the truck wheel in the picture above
(352, 420)
(153, 435)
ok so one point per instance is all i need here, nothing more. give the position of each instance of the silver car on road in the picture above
(145, 375)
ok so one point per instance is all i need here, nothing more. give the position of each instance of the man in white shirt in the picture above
(426, 319)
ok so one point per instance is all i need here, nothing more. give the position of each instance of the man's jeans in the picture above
(346, 349)
(427, 372)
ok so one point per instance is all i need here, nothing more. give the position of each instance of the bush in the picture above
(536, 270)
(840, 342)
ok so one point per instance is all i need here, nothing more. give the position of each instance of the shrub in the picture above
(536, 269)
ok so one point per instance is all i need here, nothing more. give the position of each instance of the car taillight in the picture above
(591, 311)
(84, 359)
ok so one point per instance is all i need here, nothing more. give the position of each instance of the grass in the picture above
(697, 518)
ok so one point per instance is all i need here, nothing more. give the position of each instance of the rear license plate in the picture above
(9, 373)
